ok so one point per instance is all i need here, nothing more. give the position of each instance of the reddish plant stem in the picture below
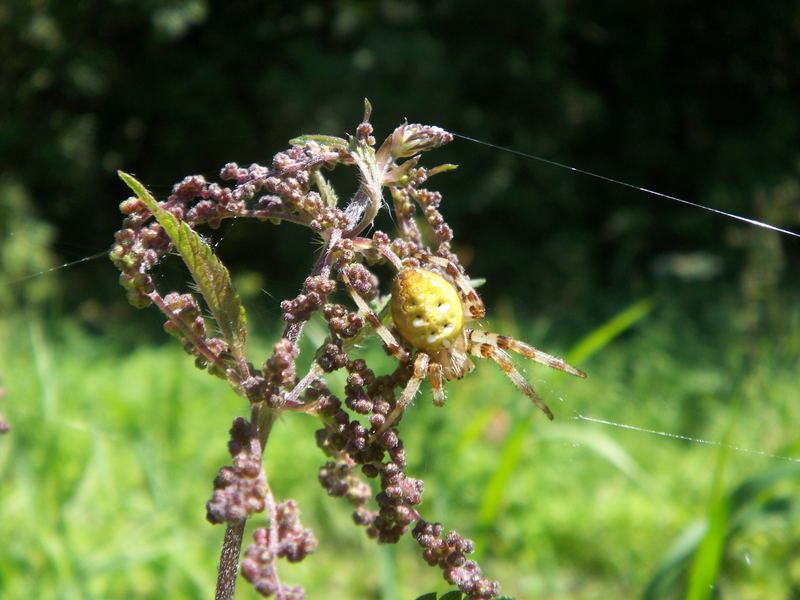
(229, 561)
(198, 343)
(234, 533)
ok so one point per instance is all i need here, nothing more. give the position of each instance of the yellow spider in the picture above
(429, 310)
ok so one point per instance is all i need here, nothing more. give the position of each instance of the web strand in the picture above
(61, 266)
(686, 438)
(631, 186)
(624, 426)
(546, 161)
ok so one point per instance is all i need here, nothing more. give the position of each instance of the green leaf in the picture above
(513, 446)
(210, 275)
(387, 563)
(322, 140)
(326, 190)
(664, 582)
(700, 549)
(494, 494)
(707, 560)
(441, 169)
(454, 595)
(431, 596)
(601, 336)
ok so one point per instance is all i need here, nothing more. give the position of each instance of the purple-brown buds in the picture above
(239, 490)
(284, 538)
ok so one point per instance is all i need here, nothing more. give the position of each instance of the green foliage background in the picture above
(115, 439)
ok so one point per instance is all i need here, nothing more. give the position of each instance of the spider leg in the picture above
(389, 255)
(420, 371)
(507, 343)
(437, 385)
(394, 346)
(503, 360)
(472, 302)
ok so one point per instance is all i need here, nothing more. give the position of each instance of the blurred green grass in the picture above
(110, 460)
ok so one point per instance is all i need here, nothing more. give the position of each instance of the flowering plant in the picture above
(422, 323)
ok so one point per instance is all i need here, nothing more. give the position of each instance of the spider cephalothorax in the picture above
(430, 306)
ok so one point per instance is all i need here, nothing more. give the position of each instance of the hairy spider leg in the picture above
(391, 343)
(508, 343)
(435, 375)
(421, 364)
(503, 360)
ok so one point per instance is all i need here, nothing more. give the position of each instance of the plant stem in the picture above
(263, 421)
(232, 543)
(229, 561)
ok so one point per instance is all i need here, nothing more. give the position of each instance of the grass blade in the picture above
(510, 455)
(602, 336)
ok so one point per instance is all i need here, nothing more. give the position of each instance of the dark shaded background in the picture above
(699, 100)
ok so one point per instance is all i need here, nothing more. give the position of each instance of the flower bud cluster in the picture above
(185, 316)
(284, 538)
(449, 552)
(339, 480)
(137, 248)
(342, 323)
(315, 291)
(362, 279)
(277, 193)
(359, 378)
(185, 321)
(429, 202)
(288, 183)
(405, 209)
(380, 455)
(280, 371)
(399, 495)
(241, 489)
(331, 356)
(196, 201)
(406, 249)
(219, 348)
(343, 253)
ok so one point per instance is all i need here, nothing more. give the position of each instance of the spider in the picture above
(429, 310)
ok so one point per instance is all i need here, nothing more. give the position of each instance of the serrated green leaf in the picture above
(324, 140)
(326, 190)
(454, 595)
(208, 272)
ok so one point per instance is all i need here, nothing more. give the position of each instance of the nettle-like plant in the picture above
(421, 322)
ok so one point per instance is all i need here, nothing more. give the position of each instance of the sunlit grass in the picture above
(106, 472)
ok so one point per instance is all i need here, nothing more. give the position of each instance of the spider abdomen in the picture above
(426, 309)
